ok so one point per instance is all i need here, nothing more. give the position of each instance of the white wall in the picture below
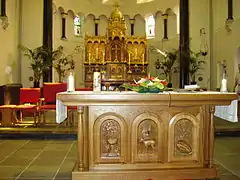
(199, 18)
(8, 43)
(31, 34)
(225, 43)
(222, 44)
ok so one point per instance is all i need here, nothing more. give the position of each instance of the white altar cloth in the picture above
(61, 111)
(228, 113)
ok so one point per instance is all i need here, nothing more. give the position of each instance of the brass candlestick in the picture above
(129, 63)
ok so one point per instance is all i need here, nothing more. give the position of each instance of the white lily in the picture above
(141, 81)
(150, 83)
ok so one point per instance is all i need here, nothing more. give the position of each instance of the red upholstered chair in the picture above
(49, 92)
(84, 89)
(29, 103)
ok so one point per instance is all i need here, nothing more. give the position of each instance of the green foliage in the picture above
(62, 63)
(195, 64)
(167, 65)
(40, 60)
(148, 84)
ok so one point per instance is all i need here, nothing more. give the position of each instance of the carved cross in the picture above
(116, 48)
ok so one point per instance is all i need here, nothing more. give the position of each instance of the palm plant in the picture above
(62, 63)
(40, 61)
(167, 65)
(195, 64)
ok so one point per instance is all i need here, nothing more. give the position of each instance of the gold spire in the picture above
(116, 14)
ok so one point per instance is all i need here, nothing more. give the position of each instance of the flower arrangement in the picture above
(147, 85)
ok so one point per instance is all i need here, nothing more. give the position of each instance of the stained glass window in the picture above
(77, 26)
(150, 27)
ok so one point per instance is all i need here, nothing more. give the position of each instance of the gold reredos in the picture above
(116, 14)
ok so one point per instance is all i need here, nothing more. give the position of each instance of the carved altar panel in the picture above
(147, 138)
(110, 137)
(184, 138)
(116, 71)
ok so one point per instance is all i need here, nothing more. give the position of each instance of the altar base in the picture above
(165, 174)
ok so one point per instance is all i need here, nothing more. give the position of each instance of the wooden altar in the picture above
(126, 135)
(119, 58)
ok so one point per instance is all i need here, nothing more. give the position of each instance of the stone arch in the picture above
(150, 24)
(89, 24)
(61, 10)
(170, 12)
(54, 7)
(71, 14)
(102, 26)
(158, 14)
(172, 23)
(138, 16)
(90, 15)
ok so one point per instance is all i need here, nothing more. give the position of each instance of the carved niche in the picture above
(184, 138)
(147, 137)
(110, 133)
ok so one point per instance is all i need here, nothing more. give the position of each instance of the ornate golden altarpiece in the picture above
(119, 58)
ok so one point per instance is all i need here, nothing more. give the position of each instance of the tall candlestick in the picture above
(129, 57)
(89, 58)
(97, 53)
(103, 58)
(135, 53)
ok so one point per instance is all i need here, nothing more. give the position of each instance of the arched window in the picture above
(150, 27)
(77, 26)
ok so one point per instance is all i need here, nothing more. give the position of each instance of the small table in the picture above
(8, 115)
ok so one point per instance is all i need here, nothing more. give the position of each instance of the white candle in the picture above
(96, 81)
(70, 84)
(224, 85)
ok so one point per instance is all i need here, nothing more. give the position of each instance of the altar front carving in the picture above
(131, 135)
(120, 58)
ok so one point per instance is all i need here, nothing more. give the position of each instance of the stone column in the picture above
(184, 43)
(47, 34)
(165, 24)
(96, 21)
(230, 10)
(64, 16)
(132, 21)
(3, 8)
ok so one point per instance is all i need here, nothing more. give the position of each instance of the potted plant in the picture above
(167, 65)
(195, 64)
(62, 63)
(40, 62)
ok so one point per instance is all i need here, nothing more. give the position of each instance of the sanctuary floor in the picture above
(51, 126)
(54, 159)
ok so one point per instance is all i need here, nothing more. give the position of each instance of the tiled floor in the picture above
(54, 159)
(36, 159)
